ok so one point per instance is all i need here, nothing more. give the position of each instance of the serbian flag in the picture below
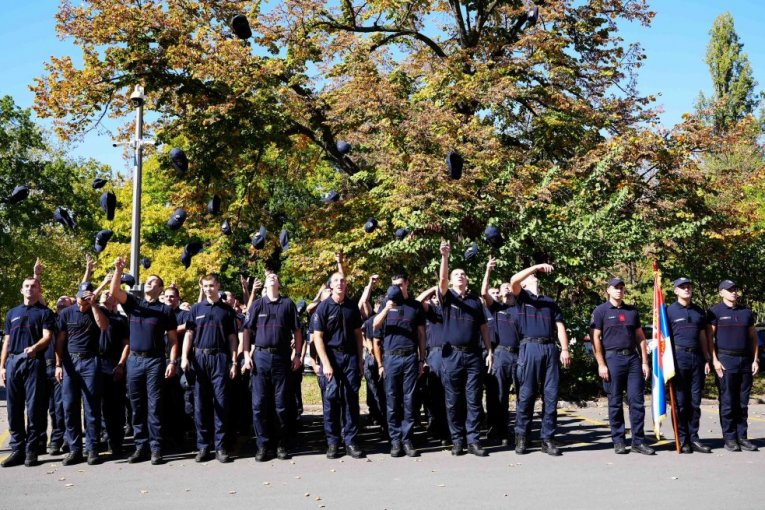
(661, 354)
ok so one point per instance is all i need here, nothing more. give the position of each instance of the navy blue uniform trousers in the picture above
(734, 388)
(271, 398)
(55, 405)
(82, 383)
(112, 404)
(504, 370)
(341, 416)
(625, 373)
(211, 398)
(144, 381)
(400, 378)
(688, 385)
(375, 390)
(538, 368)
(25, 385)
(436, 398)
(462, 376)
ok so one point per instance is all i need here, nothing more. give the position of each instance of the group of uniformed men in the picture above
(448, 340)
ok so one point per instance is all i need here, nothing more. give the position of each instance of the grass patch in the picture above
(312, 394)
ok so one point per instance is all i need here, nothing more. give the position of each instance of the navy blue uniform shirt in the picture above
(434, 326)
(337, 322)
(617, 325)
(685, 324)
(537, 316)
(110, 344)
(50, 352)
(368, 329)
(399, 330)
(148, 323)
(463, 318)
(25, 324)
(506, 320)
(272, 322)
(82, 332)
(732, 326)
(491, 323)
(212, 324)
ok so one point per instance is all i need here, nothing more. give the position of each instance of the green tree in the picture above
(27, 229)
(733, 85)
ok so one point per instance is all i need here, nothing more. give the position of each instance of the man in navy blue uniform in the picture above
(28, 330)
(211, 330)
(735, 359)
(505, 312)
(53, 388)
(401, 323)
(177, 398)
(540, 322)
(464, 327)
(78, 368)
(114, 348)
(146, 367)
(272, 322)
(438, 427)
(620, 350)
(339, 345)
(687, 323)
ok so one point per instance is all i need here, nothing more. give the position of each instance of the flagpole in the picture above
(674, 415)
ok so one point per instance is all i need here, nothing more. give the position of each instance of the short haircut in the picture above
(161, 281)
(174, 290)
(211, 277)
(400, 275)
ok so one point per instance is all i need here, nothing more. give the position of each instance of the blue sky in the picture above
(675, 45)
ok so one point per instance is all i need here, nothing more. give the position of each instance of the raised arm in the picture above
(340, 262)
(443, 273)
(364, 306)
(89, 265)
(120, 296)
(515, 281)
(490, 265)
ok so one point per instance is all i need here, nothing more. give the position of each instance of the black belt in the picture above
(272, 350)
(341, 349)
(464, 348)
(686, 349)
(400, 352)
(82, 355)
(210, 352)
(740, 354)
(621, 352)
(506, 348)
(538, 340)
(146, 354)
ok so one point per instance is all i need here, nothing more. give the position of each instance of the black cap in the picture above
(193, 248)
(176, 220)
(241, 26)
(613, 282)
(213, 207)
(108, 203)
(225, 227)
(394, 294)
(370, 225)
(726, 285)
(454, 164)
(62, 216)
(146, 263)
(471, 252)
(532, 15)
(332, 196)
(401, 233)
(284, 239)
(493, 237)
(301, 306)
(343, 147)
(185, 259)
(259, 239)
(179, 160)
(84, 288)
(682, 281)
(18, 194)
(128, 279)
(99, 183)
(102, 238)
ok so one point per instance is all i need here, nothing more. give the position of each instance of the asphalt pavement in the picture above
(588, 475)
